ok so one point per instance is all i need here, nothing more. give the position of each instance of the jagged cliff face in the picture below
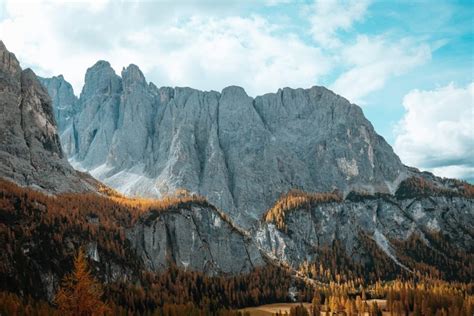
(239, 152)
(62, 95)
(30, 151)
(196, 238)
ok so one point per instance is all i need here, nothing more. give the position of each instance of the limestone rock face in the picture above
(30, 150)
(94, 127)
(135, 119)
(61, 92)
(195, 238)
(239, 152)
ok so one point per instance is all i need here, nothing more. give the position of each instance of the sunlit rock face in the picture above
(239, 152)
(30, 150)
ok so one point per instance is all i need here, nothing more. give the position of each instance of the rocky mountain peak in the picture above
(132, 75)
(234, 92)
(102, 79)
(61, 92)
(59, 80)
(100, 64)
(9, 64)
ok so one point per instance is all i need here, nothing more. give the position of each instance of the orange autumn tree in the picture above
(80, 293)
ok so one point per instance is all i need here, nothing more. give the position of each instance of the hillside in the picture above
(375, 236)
(42, 233)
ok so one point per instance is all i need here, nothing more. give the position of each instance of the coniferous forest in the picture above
(43, 233)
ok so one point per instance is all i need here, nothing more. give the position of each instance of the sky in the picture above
(408, 64)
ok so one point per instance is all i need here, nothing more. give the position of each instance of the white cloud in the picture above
(241, 51)
(276, 2)
(203, 46)
(367, 62)
(373, 60)
(437, 131)
(327, 17)
(465, 172)
(207, 50)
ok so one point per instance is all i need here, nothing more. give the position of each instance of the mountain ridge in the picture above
(423, 226)
(149, 141)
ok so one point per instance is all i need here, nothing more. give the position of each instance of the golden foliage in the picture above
(108, 191)
(80, 293)
(296, 199)
(28, 215)
(468, 190)
(173, 201)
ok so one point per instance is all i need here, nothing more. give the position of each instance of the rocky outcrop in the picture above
(93, 129)
(239, 152)
(195, 238)
(30, 151)
(384, 219)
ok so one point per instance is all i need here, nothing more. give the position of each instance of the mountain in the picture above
(30, 150)
(266, 162)
(272, 157)
(48, 210)
(241, 153)
(61, 93)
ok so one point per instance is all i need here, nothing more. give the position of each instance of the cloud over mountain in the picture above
(437, 131)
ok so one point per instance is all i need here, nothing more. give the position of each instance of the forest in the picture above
(43, 237)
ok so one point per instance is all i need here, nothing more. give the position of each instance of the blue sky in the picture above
(408, 64)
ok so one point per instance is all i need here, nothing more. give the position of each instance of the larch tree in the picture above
(80, 292)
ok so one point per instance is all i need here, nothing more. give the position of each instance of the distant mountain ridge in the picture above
(240, 153)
